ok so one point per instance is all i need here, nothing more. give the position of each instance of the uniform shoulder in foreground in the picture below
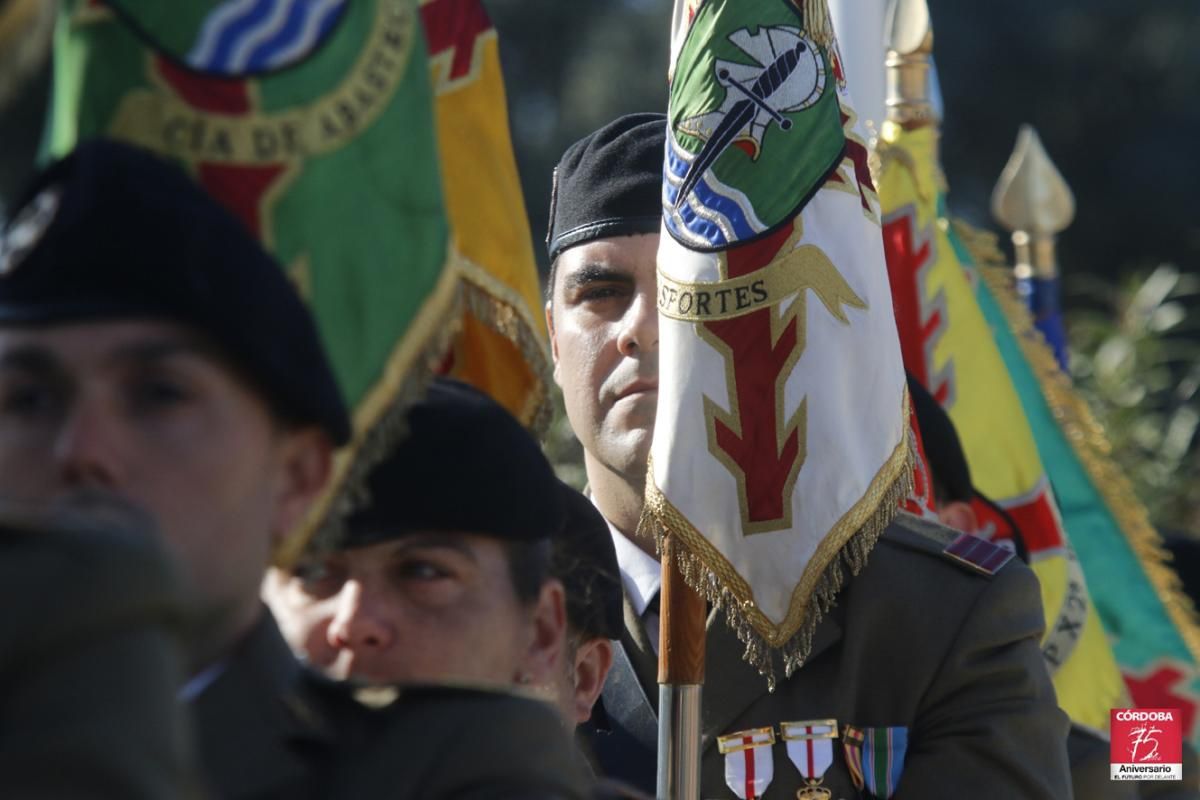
(971, 614)
(89, 605)
(458, 743)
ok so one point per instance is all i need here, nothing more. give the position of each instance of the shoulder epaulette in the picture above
(964, 549)
(978, 554)
(919, 533)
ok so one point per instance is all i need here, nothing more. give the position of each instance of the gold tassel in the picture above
(499, 307)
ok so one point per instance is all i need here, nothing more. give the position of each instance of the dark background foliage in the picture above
(1110, 86)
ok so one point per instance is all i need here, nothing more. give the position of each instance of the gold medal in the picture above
(814, 791)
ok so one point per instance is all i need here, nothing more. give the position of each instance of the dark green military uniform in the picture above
(90, 661)
(917, 641)
(269, 728)
(458, 742)
(257, 728)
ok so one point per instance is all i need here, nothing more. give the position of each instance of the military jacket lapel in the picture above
(641, 653)
(624, 740)
(622, 735)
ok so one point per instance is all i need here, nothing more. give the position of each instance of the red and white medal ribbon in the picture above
(749, 766)
(810, 746)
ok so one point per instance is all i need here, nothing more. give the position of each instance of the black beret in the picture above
(609, 183)
(585, 560)
(947, 461)
(466, 466)
(112, 231)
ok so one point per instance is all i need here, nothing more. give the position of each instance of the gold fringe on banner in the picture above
(845, 547)
(498, 306)
(380, 420)
(381, 417)
(1087, 439)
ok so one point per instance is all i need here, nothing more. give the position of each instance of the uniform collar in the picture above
(641, 573)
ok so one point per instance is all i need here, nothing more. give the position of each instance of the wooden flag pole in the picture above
(680, 677)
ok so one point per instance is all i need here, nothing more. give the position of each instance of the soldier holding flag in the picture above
(778, 430)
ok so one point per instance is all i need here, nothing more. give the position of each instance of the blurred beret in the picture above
(609, 183)
(466, 466)
(113, 232)
(947, 461)
(585, 560)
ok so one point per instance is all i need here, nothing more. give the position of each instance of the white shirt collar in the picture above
(641, 572)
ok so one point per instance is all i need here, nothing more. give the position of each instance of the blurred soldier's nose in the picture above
(87, 448)
(356, 624)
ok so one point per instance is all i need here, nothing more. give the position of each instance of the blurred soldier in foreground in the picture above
(150, 349)
(444, 574)
(89, 674)
(931, 654)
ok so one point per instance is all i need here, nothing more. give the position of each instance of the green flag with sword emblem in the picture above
(781, 446)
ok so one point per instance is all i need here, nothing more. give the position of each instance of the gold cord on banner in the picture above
(381, 417)
(499, 307)
(380, 420)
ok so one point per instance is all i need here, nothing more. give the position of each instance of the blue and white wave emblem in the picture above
(714, 215)
(248, 36)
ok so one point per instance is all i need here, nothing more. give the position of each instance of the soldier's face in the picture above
(427, 607)
(603, 324)
(147, 412)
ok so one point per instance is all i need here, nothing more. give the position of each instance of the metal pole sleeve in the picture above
(678, 737)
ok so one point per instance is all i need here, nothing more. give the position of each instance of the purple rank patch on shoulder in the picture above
(978, 554)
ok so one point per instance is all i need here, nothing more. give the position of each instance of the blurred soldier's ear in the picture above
(306, 465)
(593, 659)
(549, 633)
(958, 515)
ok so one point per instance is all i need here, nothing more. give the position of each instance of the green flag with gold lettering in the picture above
(312, 120)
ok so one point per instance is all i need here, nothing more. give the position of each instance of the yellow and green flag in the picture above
(1151, 625)
(948, 345)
